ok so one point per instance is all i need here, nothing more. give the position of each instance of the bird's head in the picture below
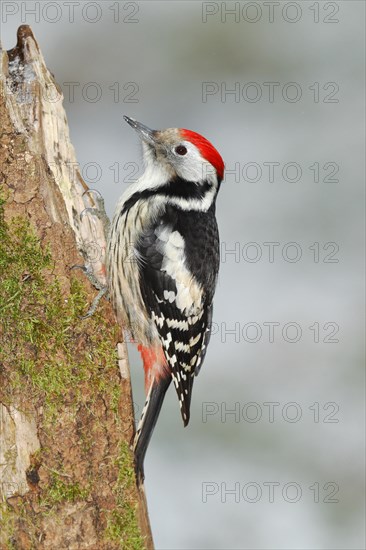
(180, 153)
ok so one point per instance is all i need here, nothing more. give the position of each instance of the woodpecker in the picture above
(162, 265)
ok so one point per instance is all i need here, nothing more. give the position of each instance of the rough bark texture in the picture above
(66, 415)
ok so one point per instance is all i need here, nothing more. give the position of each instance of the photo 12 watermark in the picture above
(270, 412)
(272, 171)
(290, 252)
(270, 12)
(273, 332)
(71, 91)
(73, 12)
(253, 492)
(270, 92)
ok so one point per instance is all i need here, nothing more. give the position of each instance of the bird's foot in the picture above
(98, 210)
(103, 289)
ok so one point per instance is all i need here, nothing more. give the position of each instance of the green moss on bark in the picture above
(48, 355)
(122, 524)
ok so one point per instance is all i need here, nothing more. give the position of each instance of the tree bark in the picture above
(66, 411)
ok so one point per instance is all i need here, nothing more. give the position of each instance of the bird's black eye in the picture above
(181, 150)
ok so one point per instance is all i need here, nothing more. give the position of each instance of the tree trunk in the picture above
(66, 414)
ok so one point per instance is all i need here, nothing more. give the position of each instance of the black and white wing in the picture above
(178, 267)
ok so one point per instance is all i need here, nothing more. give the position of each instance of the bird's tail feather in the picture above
(149, 416)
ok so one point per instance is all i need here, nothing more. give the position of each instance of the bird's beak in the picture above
(145, 133)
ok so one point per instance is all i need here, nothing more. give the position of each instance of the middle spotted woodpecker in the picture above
(163, 262)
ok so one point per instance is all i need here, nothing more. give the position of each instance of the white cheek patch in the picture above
(192, 167)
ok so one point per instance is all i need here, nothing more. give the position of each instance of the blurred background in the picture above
(273, 456)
